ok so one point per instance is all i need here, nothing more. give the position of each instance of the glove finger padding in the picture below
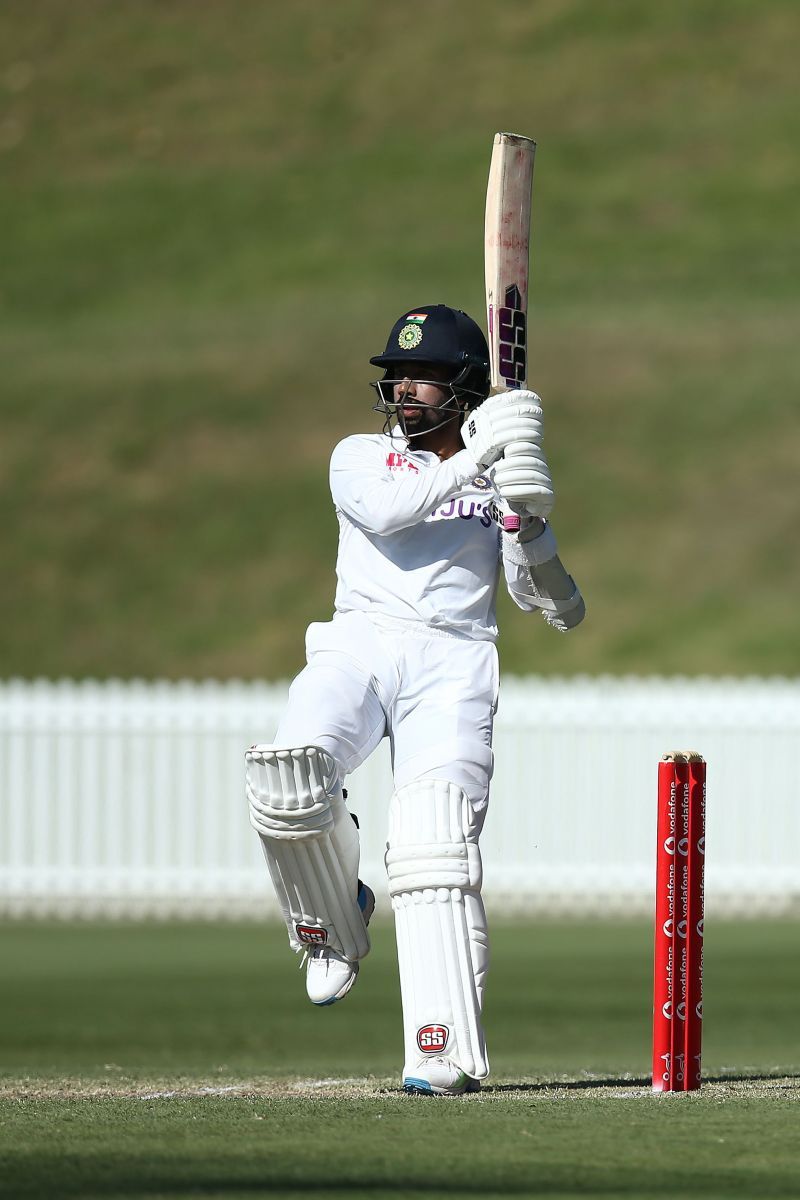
(529, 490)
(529, 421)
(516, 473)
(522, 468)
(515, 396)
(535, 504)
(521, 403)
(541, 507)
(493, 426)
(526, 449)
(525, 480)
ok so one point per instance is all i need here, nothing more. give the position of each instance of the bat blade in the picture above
(506, 255)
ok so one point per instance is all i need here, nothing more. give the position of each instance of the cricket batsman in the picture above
(410, 655)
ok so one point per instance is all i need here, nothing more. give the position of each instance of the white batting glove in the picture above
(522, 477)
(512, 418)
(516, 396)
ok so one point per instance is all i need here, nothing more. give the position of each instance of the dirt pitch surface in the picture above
(720, 1089)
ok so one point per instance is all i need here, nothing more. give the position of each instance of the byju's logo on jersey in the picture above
(432, 1039)
(463, 510)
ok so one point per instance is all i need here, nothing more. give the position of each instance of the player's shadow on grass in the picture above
(560, 1085)
(574, 1085)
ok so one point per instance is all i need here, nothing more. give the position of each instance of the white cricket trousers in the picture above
(433, 694)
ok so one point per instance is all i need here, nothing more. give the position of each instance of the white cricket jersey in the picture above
(416, 538)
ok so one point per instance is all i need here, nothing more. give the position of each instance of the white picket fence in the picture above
(126, 798)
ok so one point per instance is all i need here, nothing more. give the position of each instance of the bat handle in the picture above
(509, 520)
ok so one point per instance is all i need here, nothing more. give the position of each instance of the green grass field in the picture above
(184, 1061)
(210, 215)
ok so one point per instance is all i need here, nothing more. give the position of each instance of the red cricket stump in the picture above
(664, 973)
(678, 959)
(697, 848)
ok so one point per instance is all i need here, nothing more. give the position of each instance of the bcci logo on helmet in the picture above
(432, 1039)
(409, 337)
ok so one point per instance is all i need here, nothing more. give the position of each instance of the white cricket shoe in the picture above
(439, 1076)
(329, 975)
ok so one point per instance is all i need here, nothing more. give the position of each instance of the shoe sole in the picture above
(421, 1087)
(340, 995)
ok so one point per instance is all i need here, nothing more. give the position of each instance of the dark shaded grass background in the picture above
(390, 1147)
(211, 213)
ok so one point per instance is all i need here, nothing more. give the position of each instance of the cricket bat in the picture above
(507, 231)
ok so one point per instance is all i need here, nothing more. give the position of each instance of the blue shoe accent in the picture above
(422, 1087)
(417, 1087)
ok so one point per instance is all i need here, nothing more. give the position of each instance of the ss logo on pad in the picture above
(312, 935)
(432, 1039)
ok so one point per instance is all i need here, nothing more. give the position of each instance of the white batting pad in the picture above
(434, 867)
(311, 845)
